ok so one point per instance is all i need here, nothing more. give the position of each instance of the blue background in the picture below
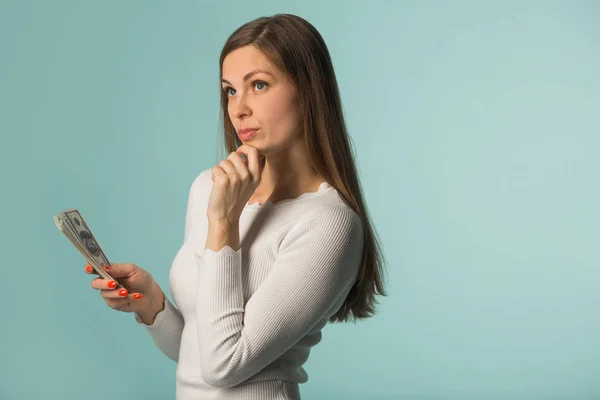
(476, 126)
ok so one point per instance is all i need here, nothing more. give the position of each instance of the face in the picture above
(259, 96)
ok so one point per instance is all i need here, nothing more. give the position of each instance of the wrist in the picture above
(222, 233)
(223, 223)
(156, 304)
(157, 300)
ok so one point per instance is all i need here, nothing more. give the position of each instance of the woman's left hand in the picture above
(234, 182)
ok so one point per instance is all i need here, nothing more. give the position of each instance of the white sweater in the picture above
(243, 322)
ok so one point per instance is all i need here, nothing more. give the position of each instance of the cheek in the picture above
(284, 115)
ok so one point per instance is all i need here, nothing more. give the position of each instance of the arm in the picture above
(165, 322)
(166, 329)
(317, 262)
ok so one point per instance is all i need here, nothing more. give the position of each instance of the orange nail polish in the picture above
(88, 268)
(112, 284)
(123, 292)
(106, 267)
(137, 296)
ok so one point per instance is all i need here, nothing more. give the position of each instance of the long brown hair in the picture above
(297, 49)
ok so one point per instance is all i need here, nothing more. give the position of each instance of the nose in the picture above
(240, 107)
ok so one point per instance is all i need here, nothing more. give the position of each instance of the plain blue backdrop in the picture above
(476, 126)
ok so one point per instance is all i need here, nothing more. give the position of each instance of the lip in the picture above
(246, 134)
(246, 130)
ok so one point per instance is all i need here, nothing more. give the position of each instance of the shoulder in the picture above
(331, 220)
(334, 213)
(328, 239)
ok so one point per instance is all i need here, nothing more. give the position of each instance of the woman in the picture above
(277, 238)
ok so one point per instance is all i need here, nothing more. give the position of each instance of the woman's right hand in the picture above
(141, 294)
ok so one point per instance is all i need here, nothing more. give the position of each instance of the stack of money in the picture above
(73, 226)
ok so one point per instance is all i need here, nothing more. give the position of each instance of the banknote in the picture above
(76, 230)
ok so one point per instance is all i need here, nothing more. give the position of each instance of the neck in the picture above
(286, 175)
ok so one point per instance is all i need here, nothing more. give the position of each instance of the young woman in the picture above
(277, 242)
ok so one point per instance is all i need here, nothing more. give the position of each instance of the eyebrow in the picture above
(249, 74)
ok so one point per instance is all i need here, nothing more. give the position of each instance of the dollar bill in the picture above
(75, 229)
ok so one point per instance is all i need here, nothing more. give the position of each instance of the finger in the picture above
(238, 156)
(219, 175)
(228, 167)
(120, 304)
(255, 160)
(104, 284)
(120, 300)
(121, 270)
(240, 165)
(237, 159)
(115, 294)
(90, 270)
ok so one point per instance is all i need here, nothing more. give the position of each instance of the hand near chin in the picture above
(234, 182)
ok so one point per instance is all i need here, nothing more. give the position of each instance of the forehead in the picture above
(240, 61)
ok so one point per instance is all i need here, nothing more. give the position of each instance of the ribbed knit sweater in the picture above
(242, 323)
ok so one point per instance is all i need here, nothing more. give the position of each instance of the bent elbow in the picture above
(219, 374)
(218, 380)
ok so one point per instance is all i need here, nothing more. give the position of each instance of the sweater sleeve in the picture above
(166, 330)
(318, 261)
(168, 325)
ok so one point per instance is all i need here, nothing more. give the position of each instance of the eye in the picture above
(256, 83)
(227, 89)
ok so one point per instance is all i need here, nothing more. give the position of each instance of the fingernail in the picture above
(112, 284)
(106, 267)
(88, 269)
(137, 296)
(123, 292)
